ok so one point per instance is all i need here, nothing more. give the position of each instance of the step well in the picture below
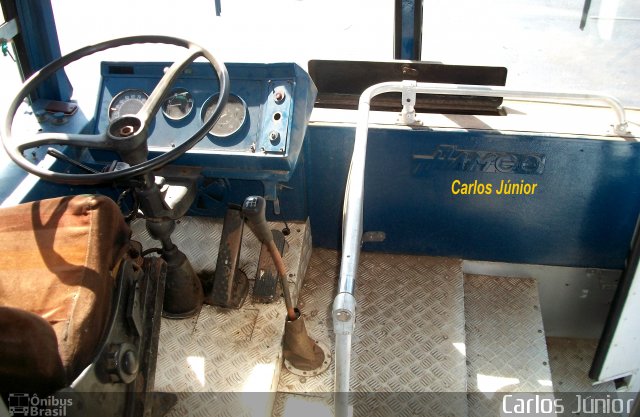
(506, 347)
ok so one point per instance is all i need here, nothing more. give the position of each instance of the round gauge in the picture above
(232, 117)
(178, 104)
(127, 102)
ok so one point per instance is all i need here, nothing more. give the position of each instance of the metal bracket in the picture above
(271, 194)
(621, 129)
(408, 115)
(134, 307)
(8, 30)
(344, 314)
(376, 236)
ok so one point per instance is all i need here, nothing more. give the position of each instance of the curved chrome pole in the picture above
(344, 305)
(476, 90)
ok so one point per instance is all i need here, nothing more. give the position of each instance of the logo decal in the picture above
(449, 157)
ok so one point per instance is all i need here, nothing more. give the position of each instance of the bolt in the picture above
(126, 131)
(279, 96)
(253, 147)
(274, 137)
(343, 315)
(130, 362)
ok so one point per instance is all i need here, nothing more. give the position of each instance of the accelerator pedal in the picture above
(265, 289)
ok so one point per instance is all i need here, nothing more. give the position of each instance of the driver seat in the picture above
(58, 278)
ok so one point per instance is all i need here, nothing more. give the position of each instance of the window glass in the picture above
(244, 31)
(545, 44)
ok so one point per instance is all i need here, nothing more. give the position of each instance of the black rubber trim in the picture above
(340, 84)
(619, 300)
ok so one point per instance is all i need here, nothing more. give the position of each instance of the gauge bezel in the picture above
(213, 99)
(121, 93)
(173, 93)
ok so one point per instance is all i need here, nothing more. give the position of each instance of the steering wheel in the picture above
(127, 135)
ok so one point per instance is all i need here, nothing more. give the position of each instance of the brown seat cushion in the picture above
(26, 365)
(57, 258)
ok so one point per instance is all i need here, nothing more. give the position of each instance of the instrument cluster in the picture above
(179, 104)
(258, 135)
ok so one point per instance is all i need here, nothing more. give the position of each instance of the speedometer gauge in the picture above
(127, 102)
(178, 104)
(232, 117)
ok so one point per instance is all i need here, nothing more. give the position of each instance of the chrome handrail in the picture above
(344, 306)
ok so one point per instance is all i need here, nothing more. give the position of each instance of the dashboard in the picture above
(259, 134)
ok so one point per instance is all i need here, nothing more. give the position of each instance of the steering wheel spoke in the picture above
(99, 141)
(153, 103)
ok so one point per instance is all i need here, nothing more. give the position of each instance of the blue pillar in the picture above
(38, 30)
(408, 30)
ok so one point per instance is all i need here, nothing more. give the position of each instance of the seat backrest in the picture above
(58, 263)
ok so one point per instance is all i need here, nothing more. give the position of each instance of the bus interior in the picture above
(294, 207)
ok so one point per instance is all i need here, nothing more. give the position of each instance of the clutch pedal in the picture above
(230, 285)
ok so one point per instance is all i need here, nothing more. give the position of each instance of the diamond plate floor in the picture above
(409, 342)
(224, 350)
(570, 361)
(506, 346)
(409, 331)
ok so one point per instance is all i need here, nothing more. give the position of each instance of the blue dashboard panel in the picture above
(278, 97)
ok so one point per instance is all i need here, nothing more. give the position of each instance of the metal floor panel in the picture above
(409, 329)
(224, 350)
(570, 361)
(506, 348)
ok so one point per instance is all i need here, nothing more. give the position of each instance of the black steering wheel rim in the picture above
(15, 153)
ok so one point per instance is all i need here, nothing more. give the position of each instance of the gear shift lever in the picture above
(302, 352)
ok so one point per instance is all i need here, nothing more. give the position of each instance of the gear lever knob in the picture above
(253, 209)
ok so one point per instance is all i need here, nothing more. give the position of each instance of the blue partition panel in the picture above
(576, 200)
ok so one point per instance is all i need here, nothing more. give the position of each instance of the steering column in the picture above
(127, 136)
